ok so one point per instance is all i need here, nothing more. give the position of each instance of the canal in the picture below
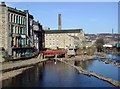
(50, 74)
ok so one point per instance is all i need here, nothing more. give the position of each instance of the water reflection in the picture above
(50, 74)
(83, 64)
(27, 78)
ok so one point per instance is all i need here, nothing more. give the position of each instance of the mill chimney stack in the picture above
(59, 22)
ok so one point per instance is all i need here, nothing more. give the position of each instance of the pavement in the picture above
(13, 68)
(8, 66)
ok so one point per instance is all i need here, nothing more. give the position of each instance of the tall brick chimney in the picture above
(59, 22)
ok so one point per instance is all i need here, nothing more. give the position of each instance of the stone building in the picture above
(16, 33)
(38, 36)
(71, 38)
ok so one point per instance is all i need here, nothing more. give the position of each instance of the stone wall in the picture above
(4, 32)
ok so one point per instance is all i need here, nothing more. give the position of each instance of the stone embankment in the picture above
(107, 61)
(12, 69)
(13, 73)
(14, 66)
(81, 70)
(80, 58)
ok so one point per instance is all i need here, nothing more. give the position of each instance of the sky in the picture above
(92, 17)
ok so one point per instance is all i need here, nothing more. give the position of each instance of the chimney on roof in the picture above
(59, 22)
(3, 4)
(26, 11)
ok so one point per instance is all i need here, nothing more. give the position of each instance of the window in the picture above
(11, 18)
(24, 21)
(20, 30)
(12, 29)
(21, 20)
(24, 31)
(16, 29)
(23, 42)
(17, 19)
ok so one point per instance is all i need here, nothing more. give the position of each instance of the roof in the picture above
(63, 31)
(18, 11)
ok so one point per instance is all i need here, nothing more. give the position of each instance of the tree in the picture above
(99, 44)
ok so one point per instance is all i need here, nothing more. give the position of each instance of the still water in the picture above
(50, 74)
(113, 57)
(107, 70)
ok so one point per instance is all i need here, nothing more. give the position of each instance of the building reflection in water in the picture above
(49, 74)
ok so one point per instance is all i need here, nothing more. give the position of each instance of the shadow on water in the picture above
(50, 74)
